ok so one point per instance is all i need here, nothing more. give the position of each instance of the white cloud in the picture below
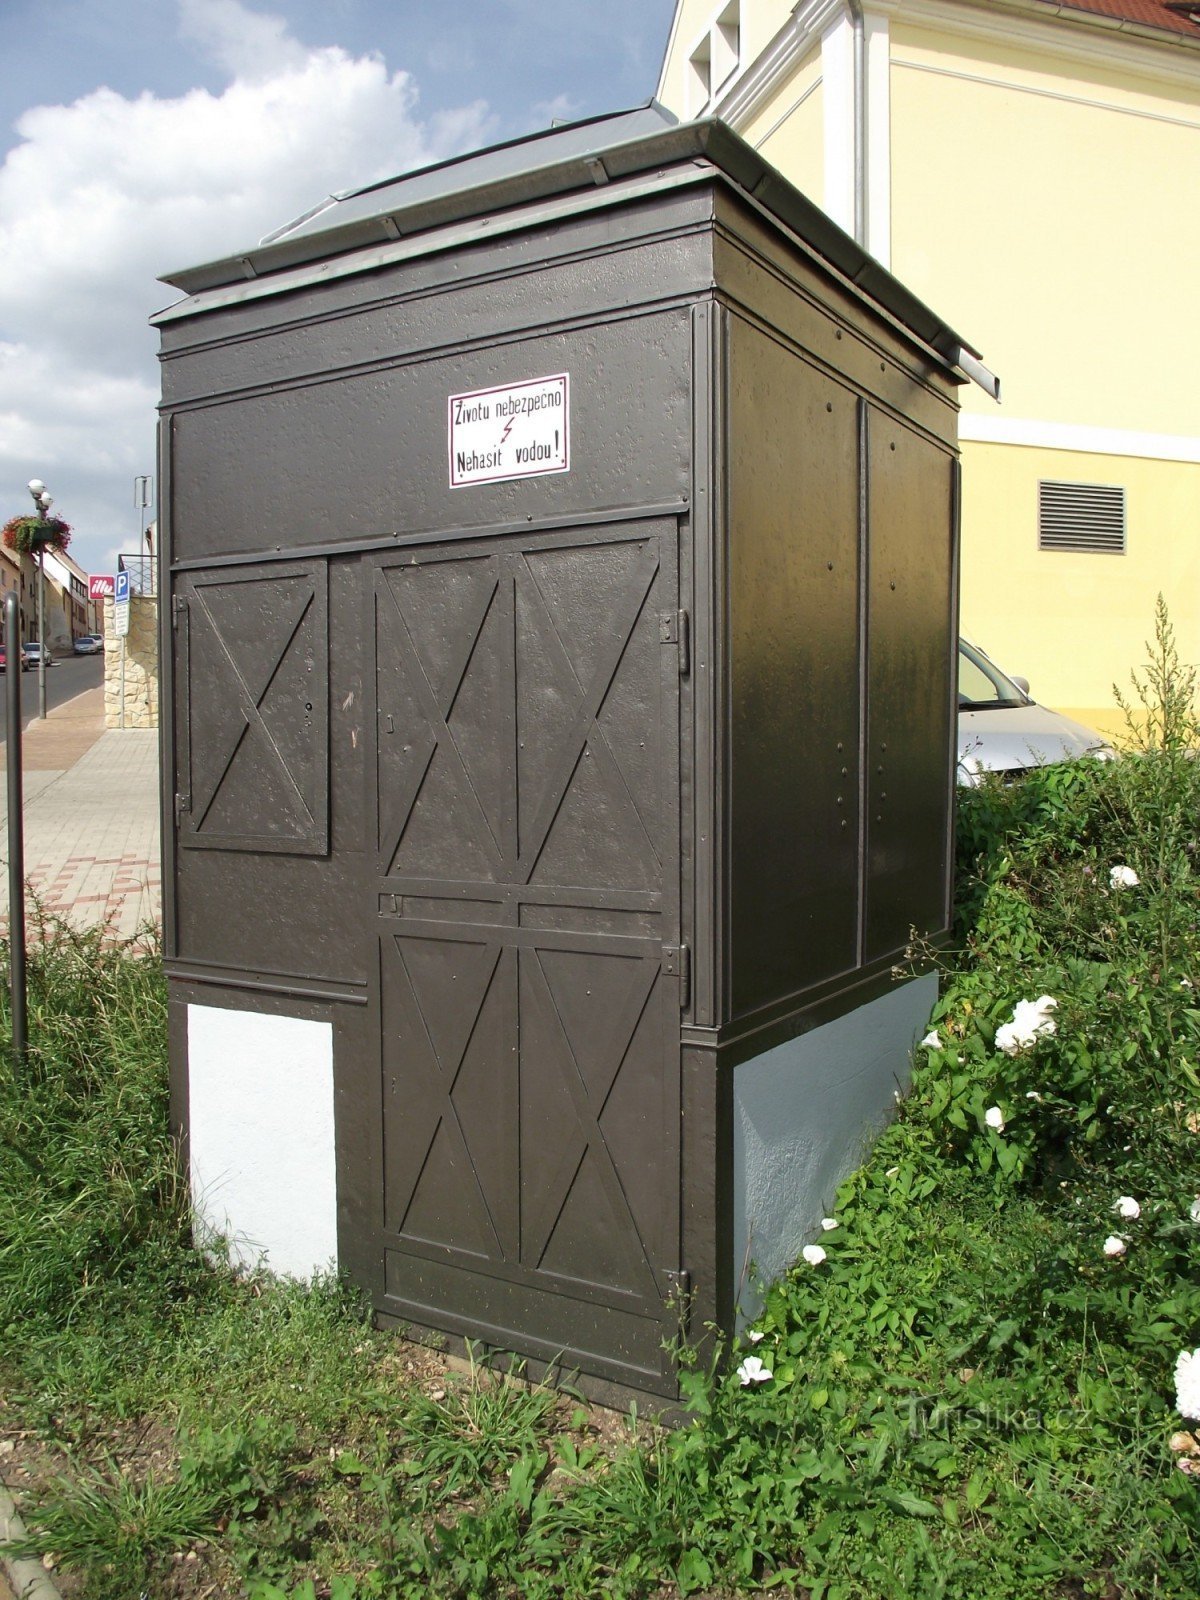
(101, 195)
(247, 44)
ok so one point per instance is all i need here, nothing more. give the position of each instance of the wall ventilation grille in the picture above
(1088, 517)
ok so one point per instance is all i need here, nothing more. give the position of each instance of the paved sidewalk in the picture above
(91, 819)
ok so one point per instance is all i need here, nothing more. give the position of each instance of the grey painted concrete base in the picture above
(28, 1579)
(803, 1116)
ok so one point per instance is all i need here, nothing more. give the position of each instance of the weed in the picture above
(116, 1529)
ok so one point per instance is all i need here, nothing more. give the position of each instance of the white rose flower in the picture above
(1194, 1210)
(994, 1118)
(813, 1254)
(755, 1335)
(1128, 1208)
(1123, 878)
(1031, 1021)
(931, 1041)
(1187, 1384)
(1008, 1040)
(1114, 1245)
(829, 1224)
(752, 1370)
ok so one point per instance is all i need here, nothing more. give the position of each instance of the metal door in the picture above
(253, 708)
(529, 982)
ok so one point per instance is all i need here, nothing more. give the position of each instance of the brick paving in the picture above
(91, 820)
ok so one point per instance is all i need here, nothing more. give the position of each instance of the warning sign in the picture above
(519, 431)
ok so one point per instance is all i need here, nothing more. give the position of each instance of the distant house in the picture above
(1032, 169)
(72, 616)
(18, 575)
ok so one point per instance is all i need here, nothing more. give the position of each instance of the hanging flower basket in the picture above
(28, 535)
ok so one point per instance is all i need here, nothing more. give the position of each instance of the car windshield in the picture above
(980, 684)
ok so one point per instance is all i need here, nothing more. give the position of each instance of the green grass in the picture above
(968, 1398)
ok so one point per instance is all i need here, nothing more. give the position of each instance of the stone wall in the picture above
(141, 665)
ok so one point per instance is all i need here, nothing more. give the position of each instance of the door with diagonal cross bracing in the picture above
(253, 718)
(527, 886)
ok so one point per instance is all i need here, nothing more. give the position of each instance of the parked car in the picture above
(33, 652)
(89, 644)
(1001, 729)
(4, 660)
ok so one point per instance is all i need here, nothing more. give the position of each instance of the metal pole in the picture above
(41, 630)
(121, 686)
(16, 835)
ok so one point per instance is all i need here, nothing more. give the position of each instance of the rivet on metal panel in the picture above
(893, 583)
(829, 405)
(829, 566)
(841, 746)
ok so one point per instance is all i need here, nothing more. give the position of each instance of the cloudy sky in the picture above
(138, 136)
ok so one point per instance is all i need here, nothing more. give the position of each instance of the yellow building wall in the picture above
(1046, 212)
(1075, 624)
(789, 130)
(1052, 219)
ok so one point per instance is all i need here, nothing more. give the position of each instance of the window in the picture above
(726, 39)
(700, 76)
(714, 59)
(1083, 517)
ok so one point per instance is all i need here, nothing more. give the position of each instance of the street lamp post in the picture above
(43, 503)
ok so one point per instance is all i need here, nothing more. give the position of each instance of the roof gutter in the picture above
(1101, 21)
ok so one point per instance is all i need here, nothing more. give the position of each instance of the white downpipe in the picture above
(859, 119)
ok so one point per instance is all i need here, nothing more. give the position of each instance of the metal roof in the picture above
(579, 156)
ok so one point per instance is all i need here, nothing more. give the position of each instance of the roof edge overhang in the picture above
(709, 141)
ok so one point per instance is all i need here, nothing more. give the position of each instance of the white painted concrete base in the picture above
(260, 1132)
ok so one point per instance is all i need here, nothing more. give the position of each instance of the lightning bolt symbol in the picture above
(507, 429)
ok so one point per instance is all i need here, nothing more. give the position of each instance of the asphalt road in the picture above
(66, 676)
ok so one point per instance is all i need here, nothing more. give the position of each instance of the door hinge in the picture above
(676, 963)
(183, 802)
(178, 609)
(673, 628)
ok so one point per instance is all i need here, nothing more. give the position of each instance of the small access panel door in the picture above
(530, 976)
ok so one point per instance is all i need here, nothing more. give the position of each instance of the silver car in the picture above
(1000, 729)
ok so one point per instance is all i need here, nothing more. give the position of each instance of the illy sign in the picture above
(101, 586)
